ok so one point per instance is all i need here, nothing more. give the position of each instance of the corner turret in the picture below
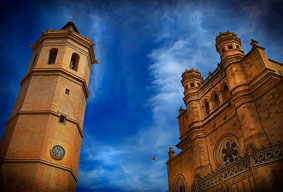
(191, 81)
(228, 45)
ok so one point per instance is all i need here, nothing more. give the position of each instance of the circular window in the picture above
(226, 150)
(58, 152)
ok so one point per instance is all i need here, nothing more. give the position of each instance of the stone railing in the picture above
(252, 159)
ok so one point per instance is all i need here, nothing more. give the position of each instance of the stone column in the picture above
(211, 103)
(202, 164)
(221, 96)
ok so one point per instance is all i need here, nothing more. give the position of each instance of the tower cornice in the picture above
(67, 34)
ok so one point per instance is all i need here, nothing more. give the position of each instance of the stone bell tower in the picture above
(40, 147)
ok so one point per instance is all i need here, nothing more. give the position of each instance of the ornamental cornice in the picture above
(253, 158)
(42, 162)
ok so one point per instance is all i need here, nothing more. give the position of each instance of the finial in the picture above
(181, 109)
(49, 29)
(171, 152)
(254, 43)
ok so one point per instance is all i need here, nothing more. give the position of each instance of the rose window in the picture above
(230, 152)
(227, 150)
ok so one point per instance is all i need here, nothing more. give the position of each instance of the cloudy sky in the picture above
(142, 48)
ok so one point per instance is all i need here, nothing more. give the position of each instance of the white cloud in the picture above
(96, 77)
(127, 166)
(131, 167)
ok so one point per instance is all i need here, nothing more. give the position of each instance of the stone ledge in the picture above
(40, 161)
(48, 112)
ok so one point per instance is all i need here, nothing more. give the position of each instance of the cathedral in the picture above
(40, 148)
(231, 132)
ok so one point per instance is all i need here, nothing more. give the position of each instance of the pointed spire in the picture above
(254, 43)
(71, 25)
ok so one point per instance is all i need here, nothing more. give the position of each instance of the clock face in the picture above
(58, 152)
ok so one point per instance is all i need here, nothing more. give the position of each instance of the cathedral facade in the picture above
(41, 144)
(231, 132)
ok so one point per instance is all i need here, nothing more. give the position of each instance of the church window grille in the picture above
(226, 150)
(230, 152)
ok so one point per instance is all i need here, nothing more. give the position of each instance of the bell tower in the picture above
(40, 147)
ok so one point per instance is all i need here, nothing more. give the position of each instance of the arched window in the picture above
(180, 185)
(52, 56)
(74, 63)
(216, 100)
(207, 110)
(226, 92)
(205, 107)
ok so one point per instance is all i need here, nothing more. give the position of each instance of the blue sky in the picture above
(135, 91)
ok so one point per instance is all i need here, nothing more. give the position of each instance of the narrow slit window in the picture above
(52, 56)
(67, 91)
(207, 108)
(192, 84)
(237, 46)
(62, 119)
(230, 47)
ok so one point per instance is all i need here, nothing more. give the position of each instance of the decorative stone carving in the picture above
(226, 150)
(230, 152)
(253, 158)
